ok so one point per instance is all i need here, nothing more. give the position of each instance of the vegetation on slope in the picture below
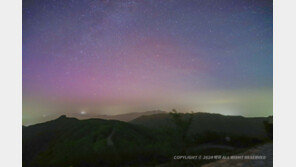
(96, 142)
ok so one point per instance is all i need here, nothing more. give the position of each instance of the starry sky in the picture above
(120, 56)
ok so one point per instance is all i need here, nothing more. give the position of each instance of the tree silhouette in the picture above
(268, 125)
(182, 122)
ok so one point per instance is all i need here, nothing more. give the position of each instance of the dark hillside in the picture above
(146, 141)
(69, 141)
(203, 122)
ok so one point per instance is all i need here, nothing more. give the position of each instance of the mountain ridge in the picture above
(68, 141)
(121, 117)
(203, 122)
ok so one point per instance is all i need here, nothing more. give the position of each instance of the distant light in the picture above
(82, 112)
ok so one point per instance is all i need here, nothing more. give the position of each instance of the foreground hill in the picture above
(145, 141)
(72, 142)
(203, 122)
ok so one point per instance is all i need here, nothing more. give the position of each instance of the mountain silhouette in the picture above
(144, 141)
(203, 122)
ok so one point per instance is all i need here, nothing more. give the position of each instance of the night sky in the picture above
(119, 56)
